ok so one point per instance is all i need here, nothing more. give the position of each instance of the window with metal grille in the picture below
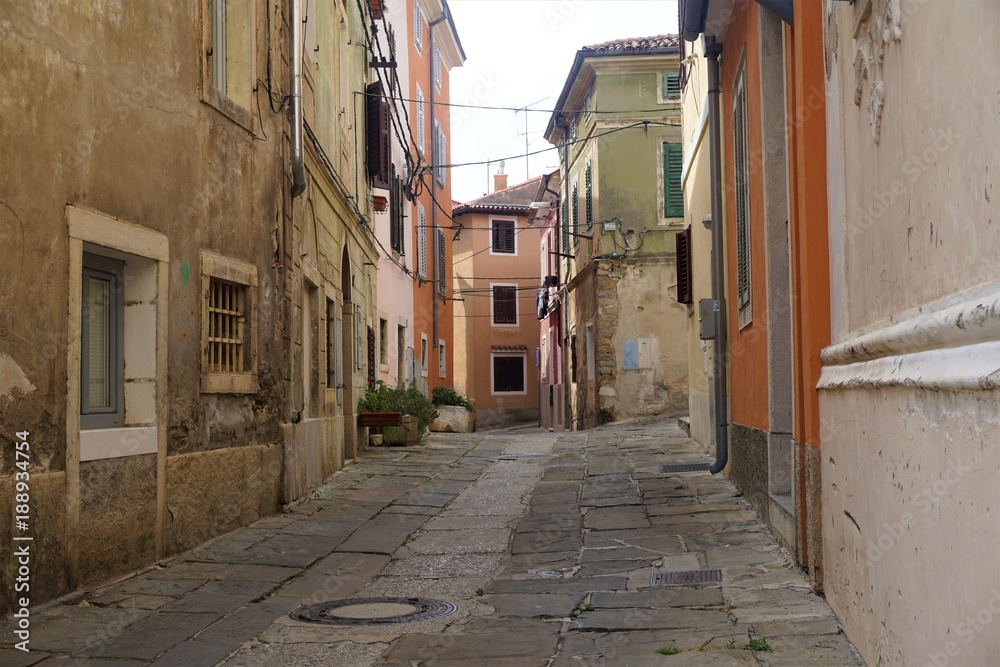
(504, 304)
(673, 192)
(441, 277)
(377, 135)
(421, 242)
(442, 360)
(508, 374)
(576, 213)
(589, 195)
(671, 85)
(741, 195)
(684, 288)
(503, 236)
(227, 332)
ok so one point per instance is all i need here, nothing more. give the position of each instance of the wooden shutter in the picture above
(371, 356)
(441, 264)
(422, 244)
(564, 224)
(508, 373)
(589, 195)
(684, 287)
(376, 8)
(503, 236)
(671, 86)
(673, 168)
(576, 212)
(377, 135)
(504, 304)
(742, 196)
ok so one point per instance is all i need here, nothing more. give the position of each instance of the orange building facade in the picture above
(497, 276)
(773, 144)
(434, 49)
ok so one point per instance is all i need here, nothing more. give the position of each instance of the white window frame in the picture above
(524, 370)
(517, 315)
(500, 218)
(214, 72)
(145, 390)
(383, 342)
(437, 65)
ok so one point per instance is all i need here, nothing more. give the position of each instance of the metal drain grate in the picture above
(521, 457)
(685, 578)
(684, 467)
(373, 611)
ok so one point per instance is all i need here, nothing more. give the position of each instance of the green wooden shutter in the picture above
(671, 86)
(564, 223)
(576, 213)
(589, 196)
(673, 194)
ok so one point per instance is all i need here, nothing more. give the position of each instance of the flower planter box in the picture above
(377, 420)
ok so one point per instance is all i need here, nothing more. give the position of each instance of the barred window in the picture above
(227, 330)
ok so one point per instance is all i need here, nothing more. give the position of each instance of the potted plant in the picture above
(400, 414)
(455, 412)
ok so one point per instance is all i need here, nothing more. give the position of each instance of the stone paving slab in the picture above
(547, 561)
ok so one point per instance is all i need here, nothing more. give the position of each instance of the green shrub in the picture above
(446, 396)
(407, 399)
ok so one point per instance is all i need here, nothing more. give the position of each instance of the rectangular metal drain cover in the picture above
(685, 578)
(684, 467)
(520, 457)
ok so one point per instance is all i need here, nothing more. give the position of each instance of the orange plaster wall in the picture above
(808, 229)
(748, 347)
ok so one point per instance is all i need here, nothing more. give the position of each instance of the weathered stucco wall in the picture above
(908, 390)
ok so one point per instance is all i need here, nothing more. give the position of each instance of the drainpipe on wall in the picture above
(434, 224)
(298, 168)
(712, 51)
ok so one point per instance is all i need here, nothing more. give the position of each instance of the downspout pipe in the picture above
(438, 283)
(298, 162)
(712, 50)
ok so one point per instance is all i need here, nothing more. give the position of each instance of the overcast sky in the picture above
(519, 53)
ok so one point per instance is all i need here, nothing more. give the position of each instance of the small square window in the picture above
(229, 360)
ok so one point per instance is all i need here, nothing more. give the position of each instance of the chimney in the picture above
(499, 182)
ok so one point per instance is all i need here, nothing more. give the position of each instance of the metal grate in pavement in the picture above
(373, 611)
(684, 467)
(685, 578)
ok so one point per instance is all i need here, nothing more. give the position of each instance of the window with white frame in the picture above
(441, 279)
(442, 360)
(437, 66)
(228, 316)
(503, 235)
(383, 342)
(504, 302)
(508, 373)
(229, 54)
(439, 153)
(741, 174)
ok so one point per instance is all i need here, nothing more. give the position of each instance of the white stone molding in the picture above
(952, 345)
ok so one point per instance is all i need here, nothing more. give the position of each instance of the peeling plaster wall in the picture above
(908, 392)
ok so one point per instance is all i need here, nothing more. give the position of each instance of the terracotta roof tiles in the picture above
(636, 44)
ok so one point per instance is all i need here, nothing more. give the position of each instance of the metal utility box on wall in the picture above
(706, 318)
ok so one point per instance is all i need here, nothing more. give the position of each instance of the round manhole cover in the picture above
(373, 611)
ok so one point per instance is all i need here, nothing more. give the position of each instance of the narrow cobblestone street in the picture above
(545, 544)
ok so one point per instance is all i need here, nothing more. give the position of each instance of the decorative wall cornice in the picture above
(877, 26)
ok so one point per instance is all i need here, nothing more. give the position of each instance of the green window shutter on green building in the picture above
(673, 194)
(671, 86)
(564, 223)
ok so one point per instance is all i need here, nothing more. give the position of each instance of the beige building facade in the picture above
(908, 391)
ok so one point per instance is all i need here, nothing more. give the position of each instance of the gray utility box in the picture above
(706, 318)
